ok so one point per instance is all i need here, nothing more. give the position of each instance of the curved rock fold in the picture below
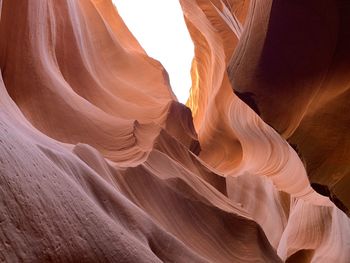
(100, 163)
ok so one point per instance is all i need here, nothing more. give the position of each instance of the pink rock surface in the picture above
(100, 163)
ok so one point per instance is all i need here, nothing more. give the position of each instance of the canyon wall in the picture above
(100, 163)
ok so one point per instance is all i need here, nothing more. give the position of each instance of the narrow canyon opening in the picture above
(100, 162)
(160, 28)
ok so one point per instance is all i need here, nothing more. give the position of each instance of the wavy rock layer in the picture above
(293, 64)
(98, 162)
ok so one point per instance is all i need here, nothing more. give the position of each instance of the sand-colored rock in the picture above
(100, 163)
(296, 73)
(236, 141)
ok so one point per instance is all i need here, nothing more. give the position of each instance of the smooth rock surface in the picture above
(100, 163)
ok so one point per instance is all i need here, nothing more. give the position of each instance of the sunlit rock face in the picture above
(100, 163)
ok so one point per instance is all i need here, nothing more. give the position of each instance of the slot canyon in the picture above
(99, 162)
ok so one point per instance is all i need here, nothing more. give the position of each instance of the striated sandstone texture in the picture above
(100, 163)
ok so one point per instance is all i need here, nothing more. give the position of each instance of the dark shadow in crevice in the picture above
(325, 191)
(248, 98)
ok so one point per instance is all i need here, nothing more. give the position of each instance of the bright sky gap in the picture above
(160, 28)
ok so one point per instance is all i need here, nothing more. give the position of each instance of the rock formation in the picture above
(100, 163)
